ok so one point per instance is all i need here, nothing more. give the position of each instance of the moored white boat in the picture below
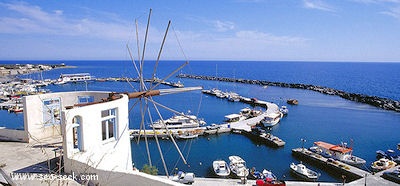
(16, 109)
(284, 110)
(187, 135)
(238, 166)
(271, 119)
(178, 122)
(304, 172)
(221, 168)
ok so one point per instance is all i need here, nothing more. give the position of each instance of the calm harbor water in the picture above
(317, 117)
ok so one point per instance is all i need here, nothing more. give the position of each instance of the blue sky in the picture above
(264, 30)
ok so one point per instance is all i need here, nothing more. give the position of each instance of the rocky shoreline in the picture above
(384, 103)
(9, 72)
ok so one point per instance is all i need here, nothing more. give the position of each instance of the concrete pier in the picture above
(351, 172)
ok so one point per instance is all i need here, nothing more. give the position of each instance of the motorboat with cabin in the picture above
(182, 121)
(304, 172)
(238, 166)
(338, 152)
(221, 168)
(271, 119)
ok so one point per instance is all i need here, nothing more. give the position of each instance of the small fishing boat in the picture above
(178, 84)
(187, 135)
(389, 154)
(339, 152)
(284, 110)
(382, 164)
(221, 168)
(264, 175)
(212, 129)
(238, 166)
(304, 172)
(292, 101)
(16, 109)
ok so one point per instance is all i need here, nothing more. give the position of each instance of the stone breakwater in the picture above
(379, 102)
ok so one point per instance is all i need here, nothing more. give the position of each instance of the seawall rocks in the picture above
(379, 102)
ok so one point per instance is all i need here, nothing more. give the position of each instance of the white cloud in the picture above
(318, 5)
(393, 12)
(32, 19)
(223, 26)
(376, 1)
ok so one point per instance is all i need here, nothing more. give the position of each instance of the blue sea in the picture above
(317, 117)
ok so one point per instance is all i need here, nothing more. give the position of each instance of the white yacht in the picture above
(238, 166)
(179, 122)
(304, 172)
(221, 168)
(271, 119)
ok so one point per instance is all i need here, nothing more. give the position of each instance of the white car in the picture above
(185, 178)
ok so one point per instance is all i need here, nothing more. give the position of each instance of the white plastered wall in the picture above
(34, 108)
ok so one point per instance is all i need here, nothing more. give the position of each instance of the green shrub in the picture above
(150, 169)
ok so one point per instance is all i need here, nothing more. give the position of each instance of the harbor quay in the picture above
(351, 174)
(236, 127)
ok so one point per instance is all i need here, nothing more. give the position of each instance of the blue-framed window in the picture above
(85, 99)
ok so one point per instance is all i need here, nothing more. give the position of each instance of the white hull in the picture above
(238, 166)
(353, 160)
(178, 122)
(221, 168)
(271, 119)
(304, 172)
